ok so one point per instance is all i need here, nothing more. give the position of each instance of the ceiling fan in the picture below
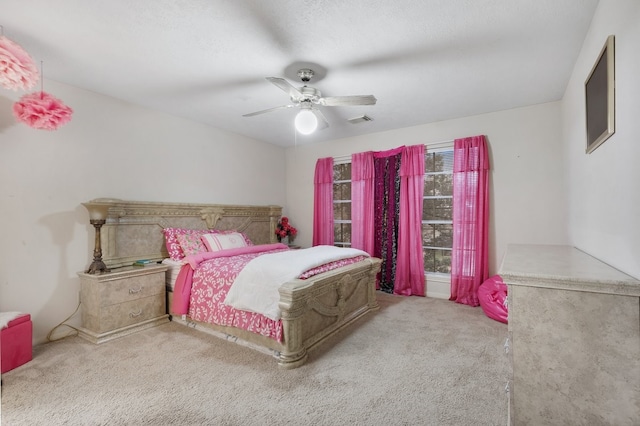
(308, 99)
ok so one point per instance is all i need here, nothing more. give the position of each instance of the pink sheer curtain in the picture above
(410, 261)
(470, 254)
(323, 202)
(362, 201)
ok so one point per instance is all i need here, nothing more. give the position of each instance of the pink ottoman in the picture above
(15, 343)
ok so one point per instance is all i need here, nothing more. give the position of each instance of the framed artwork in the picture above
(599, 90)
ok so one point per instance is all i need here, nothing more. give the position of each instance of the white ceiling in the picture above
(206, 60)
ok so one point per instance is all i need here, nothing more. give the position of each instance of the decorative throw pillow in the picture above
(223, 241)
(191, 243)
(171, 241)
(246, 238)
(173, 245)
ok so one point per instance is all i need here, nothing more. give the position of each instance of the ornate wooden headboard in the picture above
(133, 229)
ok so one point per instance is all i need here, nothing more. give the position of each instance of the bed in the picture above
(310, 310)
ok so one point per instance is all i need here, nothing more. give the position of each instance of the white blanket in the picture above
(255, 288)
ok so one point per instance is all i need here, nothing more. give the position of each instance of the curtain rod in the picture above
(428, 145)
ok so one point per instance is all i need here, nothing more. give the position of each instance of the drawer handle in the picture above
(135, 290)
(135, 314)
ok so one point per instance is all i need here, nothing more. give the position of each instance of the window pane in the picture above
(439, 162)
(342, 191)
(346, 211)
(337, 211)
(342, 171)
(429, 260)
(438, 261)
(342, 233)
(438, 185)
(428, 163)
(437, 235)
(342, 211)
(429, 185)
(443, 184)
(437, 209)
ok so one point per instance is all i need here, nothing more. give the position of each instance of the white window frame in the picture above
(336, 162)
(431, 149)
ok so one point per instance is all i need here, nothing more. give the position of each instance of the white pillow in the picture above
(217, 242)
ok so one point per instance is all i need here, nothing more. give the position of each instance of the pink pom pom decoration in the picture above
(17, 70)
(42, 111)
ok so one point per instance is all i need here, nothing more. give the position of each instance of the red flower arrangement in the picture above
(284, 229)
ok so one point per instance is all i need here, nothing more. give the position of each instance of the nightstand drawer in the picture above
(133, 288)
(132, 312)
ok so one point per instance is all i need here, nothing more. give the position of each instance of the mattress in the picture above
(172, 272)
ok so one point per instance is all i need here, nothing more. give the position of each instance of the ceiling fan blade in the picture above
(348, 100)
(251, 114)
(321, 118)
(286, 86)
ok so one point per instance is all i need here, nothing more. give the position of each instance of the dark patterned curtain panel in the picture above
(387, 208)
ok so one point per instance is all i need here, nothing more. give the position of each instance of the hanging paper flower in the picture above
(17, 70)
(42, 111)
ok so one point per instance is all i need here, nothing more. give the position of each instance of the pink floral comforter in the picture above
(205, 280)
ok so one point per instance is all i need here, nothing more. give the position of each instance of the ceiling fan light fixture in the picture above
(306, 122)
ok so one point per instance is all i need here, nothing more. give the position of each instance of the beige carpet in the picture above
(416, 361)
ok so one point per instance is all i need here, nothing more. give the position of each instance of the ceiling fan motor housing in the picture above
(305, 74)
(309, 94)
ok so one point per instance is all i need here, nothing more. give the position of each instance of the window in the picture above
(342, 204)
(437, 215)
(437, 211)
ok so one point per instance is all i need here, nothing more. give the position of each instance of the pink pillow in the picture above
(175, 249)
(224, 241)
(171, 241)
(173, 245)
(191, 243)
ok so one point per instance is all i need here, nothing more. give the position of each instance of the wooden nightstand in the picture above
(122, 302)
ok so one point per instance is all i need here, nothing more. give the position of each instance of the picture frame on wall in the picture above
(599, 90)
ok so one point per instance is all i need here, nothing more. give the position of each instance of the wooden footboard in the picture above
(317, 308)
(312, 311)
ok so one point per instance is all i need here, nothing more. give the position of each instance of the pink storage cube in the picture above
(15, 343)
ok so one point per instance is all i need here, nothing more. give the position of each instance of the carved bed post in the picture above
(292, 310)
(273, 224)
(373, 277)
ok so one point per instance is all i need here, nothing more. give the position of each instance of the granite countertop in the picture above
(563, 267)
